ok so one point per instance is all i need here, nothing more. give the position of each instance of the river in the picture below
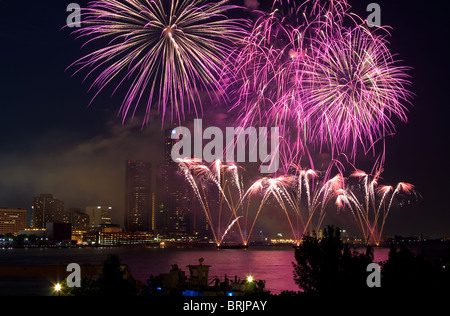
(272, 264)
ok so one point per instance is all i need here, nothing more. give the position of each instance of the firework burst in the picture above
(354, 89)
(168, 52)
(328, 82)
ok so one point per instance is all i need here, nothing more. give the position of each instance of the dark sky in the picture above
(51, 141)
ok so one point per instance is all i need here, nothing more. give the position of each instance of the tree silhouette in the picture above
(405, 272)
(113, 281)
(327, 266)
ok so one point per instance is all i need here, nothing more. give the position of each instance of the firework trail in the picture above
(185, 166)
(238, 203)
(168, 52)
(266, 187)
(221, 176)
(371, 207)
(228, 228)
(303, 198)
(319, 188)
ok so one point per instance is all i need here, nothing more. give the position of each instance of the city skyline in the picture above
(54, 142)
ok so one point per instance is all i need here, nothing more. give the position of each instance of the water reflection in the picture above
(272, 264)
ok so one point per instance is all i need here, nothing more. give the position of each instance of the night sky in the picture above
(52, 141)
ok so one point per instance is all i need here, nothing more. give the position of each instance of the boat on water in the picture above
(198, 283)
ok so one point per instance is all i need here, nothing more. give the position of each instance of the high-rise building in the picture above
(176, 196)
(154, 212)
(162, 189)
(12, 220)
(161, 200)
(48, 209)
(78, 219)
(99, 215)
(138, 196)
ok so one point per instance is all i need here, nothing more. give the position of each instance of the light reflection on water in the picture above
(272, 264)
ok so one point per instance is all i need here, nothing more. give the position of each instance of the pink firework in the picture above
(371, 207)
(354, 90)
(211, 187)
(327, 81)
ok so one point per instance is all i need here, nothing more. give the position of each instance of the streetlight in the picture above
(58, 288)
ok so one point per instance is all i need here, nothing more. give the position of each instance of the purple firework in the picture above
(325, 79)
(353, 87)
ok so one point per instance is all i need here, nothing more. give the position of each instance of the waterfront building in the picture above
(53, 232)
(48, 209)
(35, 232)
(57, 232)
(12, 221)
(80, 221)
(121, 238)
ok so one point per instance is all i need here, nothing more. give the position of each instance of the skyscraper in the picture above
(48, 209)
(99, 215)
(138, 196)
(176, 196)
